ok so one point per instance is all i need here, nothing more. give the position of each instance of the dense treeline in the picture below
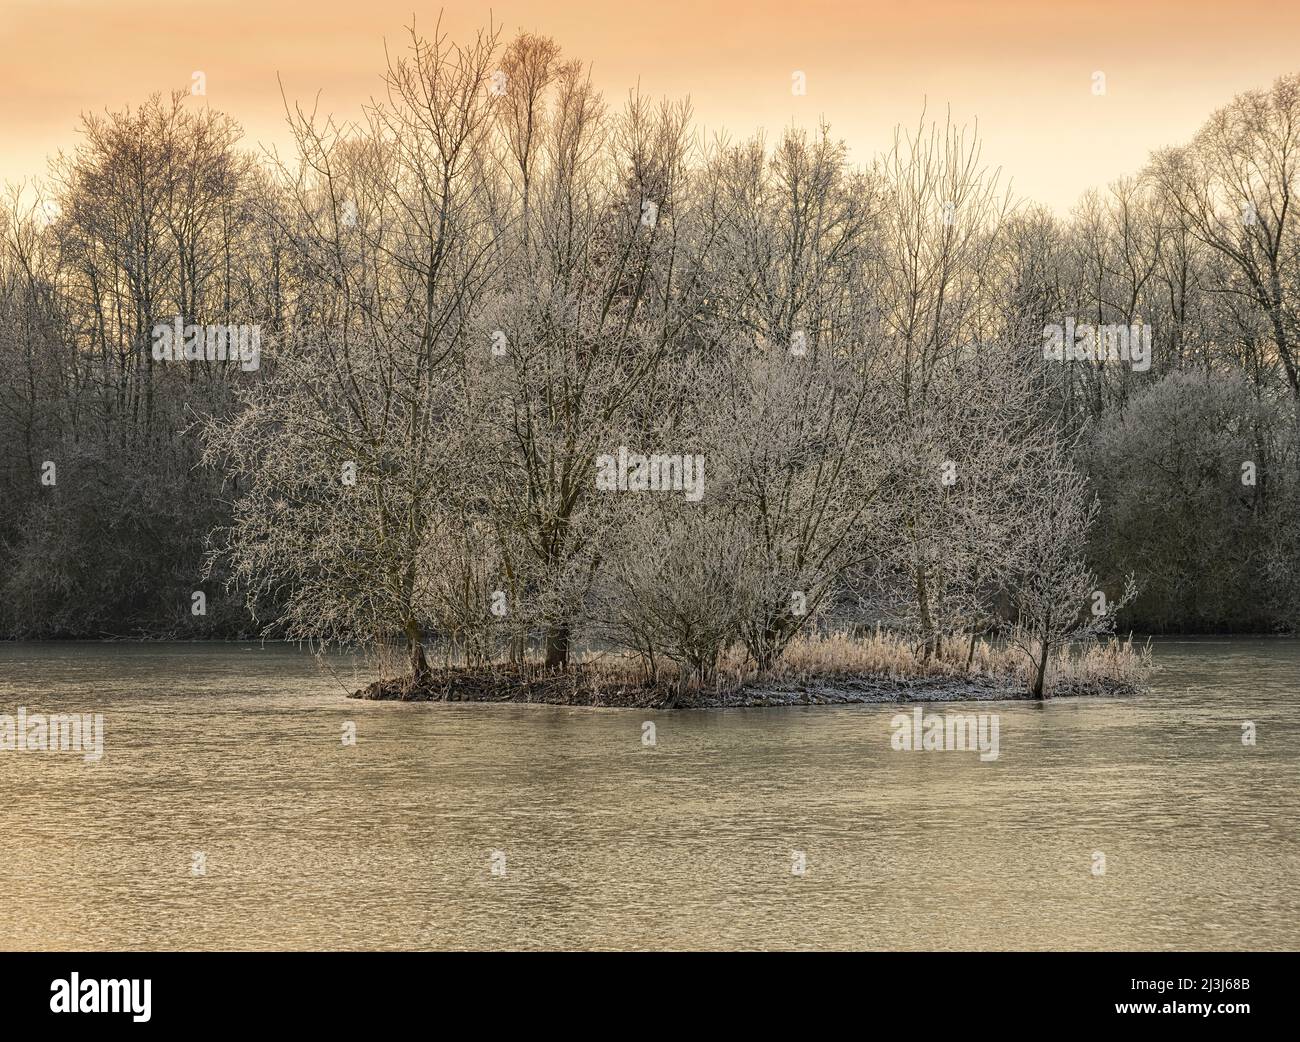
(496, 280)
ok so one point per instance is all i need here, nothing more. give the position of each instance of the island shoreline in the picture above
(567, 690)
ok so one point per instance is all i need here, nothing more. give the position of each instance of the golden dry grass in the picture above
(1099, 667)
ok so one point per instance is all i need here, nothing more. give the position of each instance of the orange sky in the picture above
(1023, 67)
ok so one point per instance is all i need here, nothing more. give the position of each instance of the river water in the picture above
(227, 812)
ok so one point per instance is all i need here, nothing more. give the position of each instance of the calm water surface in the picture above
(235, 751)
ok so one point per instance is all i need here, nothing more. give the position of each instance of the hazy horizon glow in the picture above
(1021, 68)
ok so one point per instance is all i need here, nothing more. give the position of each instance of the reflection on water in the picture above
(236, 752)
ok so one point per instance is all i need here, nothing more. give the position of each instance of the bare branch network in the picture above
(504, 369)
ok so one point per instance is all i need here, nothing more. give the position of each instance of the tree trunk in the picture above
(929, 635)
(1039, 680)
(415, 651)
(766, 658)
(518, 648)
(557, 646)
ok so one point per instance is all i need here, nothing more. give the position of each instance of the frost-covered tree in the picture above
(1055, 598)
(342, 456)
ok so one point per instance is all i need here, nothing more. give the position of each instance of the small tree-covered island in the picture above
(599, 416)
